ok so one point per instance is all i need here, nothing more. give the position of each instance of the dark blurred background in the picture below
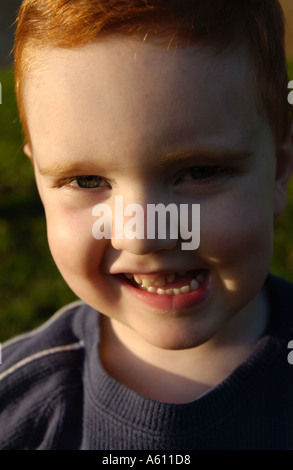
(8, 9)
(31, 288)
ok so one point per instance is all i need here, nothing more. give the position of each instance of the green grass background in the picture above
(31, 288)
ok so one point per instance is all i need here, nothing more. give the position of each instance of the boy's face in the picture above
(156, 126)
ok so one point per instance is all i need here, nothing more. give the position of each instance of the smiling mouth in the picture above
(175, 283)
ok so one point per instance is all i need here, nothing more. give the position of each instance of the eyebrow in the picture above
(205, 156)
(65, 169)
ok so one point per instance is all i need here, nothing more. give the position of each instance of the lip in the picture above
(167, 302)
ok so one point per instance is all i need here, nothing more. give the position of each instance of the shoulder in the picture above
(63, 332)
(280, 295)
(279, 285)
(39, 370)
(280, 327)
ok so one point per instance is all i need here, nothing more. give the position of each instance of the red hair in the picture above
(223, 24)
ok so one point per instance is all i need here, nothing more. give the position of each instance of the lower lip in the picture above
(168, 302)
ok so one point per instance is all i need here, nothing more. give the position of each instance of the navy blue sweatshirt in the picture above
(55, 394)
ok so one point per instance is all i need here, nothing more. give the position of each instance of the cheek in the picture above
(73, 247)
(238, 235)
(79, 258)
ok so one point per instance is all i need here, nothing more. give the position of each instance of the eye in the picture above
(88, 182)
(204, 172)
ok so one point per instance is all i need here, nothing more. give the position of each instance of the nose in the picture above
(144, 227)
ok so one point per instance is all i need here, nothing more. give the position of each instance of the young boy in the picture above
(158, 102)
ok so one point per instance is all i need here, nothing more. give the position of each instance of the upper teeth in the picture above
(156, 286)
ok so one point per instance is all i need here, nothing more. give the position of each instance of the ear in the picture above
(284, 170)
(28, 151)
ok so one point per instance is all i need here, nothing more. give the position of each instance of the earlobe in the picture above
(27, 151)
(284, 170)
